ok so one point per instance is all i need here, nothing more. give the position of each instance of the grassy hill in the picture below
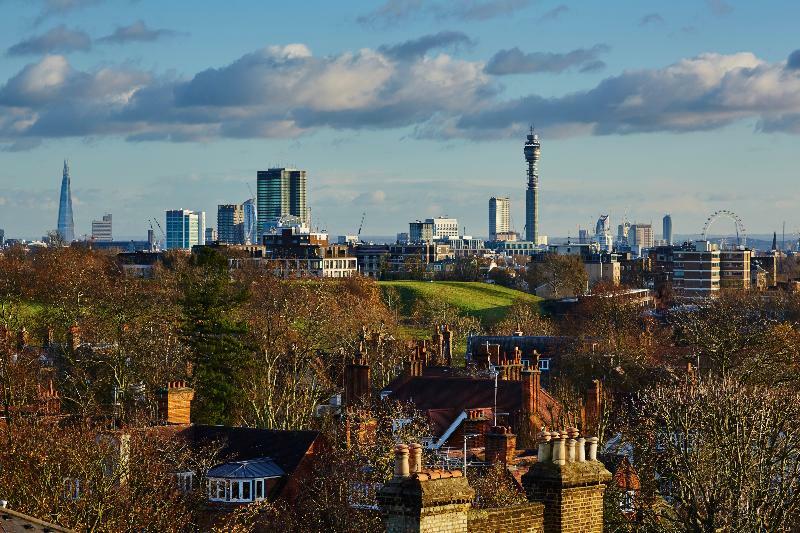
(489, 303)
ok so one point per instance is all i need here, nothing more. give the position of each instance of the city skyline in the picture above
(658, 153)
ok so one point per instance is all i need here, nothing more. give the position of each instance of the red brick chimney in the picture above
(476, 423)
(447, 345)
(175, 403)
(593, 406)
(501, 445)
(356, 379)
(531, 383)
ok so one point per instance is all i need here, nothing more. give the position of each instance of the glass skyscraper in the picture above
(281, 192)
(66, 225)
(185, 228)
(230, 223)
(250, 221)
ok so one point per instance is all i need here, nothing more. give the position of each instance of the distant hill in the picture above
(489, 303)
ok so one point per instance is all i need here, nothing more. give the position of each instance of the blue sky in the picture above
(403, 109)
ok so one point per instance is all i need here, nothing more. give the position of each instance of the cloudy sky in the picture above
(402, 109)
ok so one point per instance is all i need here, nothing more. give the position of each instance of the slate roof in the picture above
(285, 448)
(252, 469)
(545, 345)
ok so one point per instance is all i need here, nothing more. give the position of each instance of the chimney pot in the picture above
(401, 469)
(592, 448)
(559, 450)
(415, 458)
(581, 450)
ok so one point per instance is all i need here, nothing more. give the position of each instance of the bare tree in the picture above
(725, 456)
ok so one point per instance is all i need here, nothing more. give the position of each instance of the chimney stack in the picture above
(356, 379)
(569, 480)
(175, 403)
(501, 445)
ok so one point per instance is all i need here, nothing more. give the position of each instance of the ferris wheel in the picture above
(741, 232)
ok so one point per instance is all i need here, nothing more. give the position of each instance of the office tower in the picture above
(281, 192)
(250, 221)
(211, 235)
(641, 235)
(185, 228)
(101, 229)
(419, 231)
(66, 226)
(2, 237)
(443, 227)
(602, 233)
(667, 229)
(230, 223)
(622, 232)
(499, 216)
(583, 236)
(151, 240)
(532, 153)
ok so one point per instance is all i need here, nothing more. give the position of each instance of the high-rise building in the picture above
(641, 235)
(622, 233)
(66, 225)
(185, 228)
(211, 235)
(602, 233)
(281, 192)
(230, 223)
(2, 237)
(420, 231)
(499, 217)
(250, 221)
(533, 151)
(101, 229)
(666, 235)
(443, 227)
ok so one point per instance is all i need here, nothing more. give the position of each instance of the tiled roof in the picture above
(445, 396)
(285, 448)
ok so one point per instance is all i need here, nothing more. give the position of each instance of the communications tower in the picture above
(533, 150)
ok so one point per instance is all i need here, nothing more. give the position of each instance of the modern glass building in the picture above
(66, 225)
(185, 228)
(281, 192)
(667, 230)
(230, 223)
(250, 221)
(102, 229)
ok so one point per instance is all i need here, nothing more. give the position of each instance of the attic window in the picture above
(544, 364)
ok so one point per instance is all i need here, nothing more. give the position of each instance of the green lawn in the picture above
(489, 303)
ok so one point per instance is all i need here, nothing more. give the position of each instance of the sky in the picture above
(402, 109)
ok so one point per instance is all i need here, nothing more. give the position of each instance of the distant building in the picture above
(372, 259)
(499, 217)
(403, 238)
(2, 237)
(693, 270)
(666, 234)
(622, 233)
(281, 192)
(641, 235)
(443, 227)
(185, 229)
(583, 236)
(250, 222)
(230, 224)
(734, 269)
(66, 225)
(419, 231)
(602, 233)
(603, 267)
(293, 252)
(101, 229)
(211, 235)
(532, 151)
(515, 247)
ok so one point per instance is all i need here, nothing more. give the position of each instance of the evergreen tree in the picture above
(216, 338)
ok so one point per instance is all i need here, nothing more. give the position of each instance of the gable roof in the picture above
(449, 396)
(285, 448)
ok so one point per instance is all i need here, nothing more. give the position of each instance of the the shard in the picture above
(66, 226)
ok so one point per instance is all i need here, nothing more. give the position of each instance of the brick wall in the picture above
(523, 518)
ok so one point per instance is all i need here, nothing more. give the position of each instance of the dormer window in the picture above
(242, 481)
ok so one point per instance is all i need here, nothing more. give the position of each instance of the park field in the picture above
(489, 303)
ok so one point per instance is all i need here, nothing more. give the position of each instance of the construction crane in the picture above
(361, 226)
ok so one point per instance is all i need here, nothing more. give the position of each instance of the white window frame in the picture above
(544, 364)
(184, 481)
